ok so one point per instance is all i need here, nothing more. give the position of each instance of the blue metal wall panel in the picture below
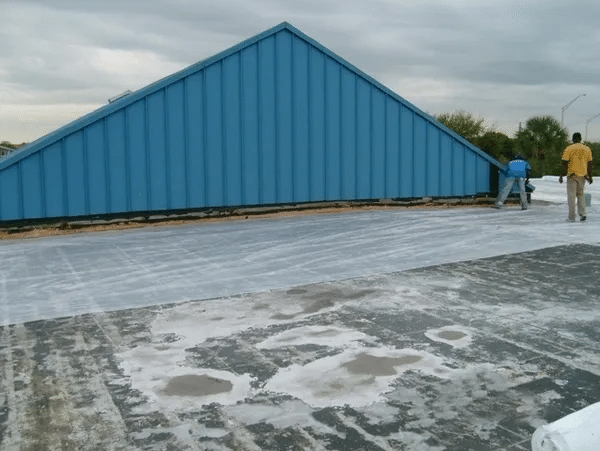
(53, 189)
(278, 119)
(363, 139)
(333, 130)
(32, 186)
(458, 169)
(446, 172)
(196, 174)
(267, 114)
(348, 133)
(482, 175)
(11, 193)
(250, 132)
(317, 123)
(419, 167)
(378, 144)
(283, 113)
(117, 163)
(75, 174)
(96, 169)
(176, 145)
(407, 153)
(470, 173)
(157, 151)
(214, 136)
(300, 122)
(232, 138)
(432, 176)
(137, 153)
(392, 146)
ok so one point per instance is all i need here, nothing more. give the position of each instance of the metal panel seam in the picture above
(43, 190)
(65, 179)
(355, 137)
(205, 138)
(146, 153)
(325, 125)
(243, 196)
(223, 132)
(341, 126)
(452, 171)
(439, 187)
(309, 123)
(293, 118)
(426, 151)
(276, 111)
(22, 188)
(464, 170)
(372, 137)
(86, 172)
(385, 145)
(127, 158)
(166, 124)
(399, 188)
(259, 108)
(186, 142)
(414, 133)
(107, 171)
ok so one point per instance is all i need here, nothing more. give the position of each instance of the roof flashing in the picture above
(119, 96)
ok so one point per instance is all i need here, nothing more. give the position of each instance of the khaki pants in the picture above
(575, 186)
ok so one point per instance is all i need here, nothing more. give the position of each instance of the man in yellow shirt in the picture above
(577, 166)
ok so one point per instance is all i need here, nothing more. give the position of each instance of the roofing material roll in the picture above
(578, 431)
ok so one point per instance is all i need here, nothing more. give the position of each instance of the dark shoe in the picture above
(583, 217)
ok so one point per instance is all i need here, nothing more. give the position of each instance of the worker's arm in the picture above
(565, 167)
(590, 166)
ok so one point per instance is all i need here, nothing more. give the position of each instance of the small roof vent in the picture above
(119, 96)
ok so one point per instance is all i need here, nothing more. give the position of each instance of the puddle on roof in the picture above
(451, 334)
(379, 366)
(196, 385)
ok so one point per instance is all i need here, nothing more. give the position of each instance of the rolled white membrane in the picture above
(578, 431)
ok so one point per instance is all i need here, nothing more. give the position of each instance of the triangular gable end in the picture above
(276, 119)
(161, 84)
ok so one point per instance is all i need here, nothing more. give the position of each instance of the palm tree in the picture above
(543, 140)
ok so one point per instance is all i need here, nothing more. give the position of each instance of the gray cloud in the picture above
(504, 61)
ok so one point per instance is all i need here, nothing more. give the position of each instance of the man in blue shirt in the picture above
(517, 170)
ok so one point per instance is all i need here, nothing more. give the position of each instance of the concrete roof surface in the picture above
(409, 329)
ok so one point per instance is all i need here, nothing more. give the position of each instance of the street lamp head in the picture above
(567, 106)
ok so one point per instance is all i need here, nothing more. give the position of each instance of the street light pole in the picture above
(587, 122)
(562, 117)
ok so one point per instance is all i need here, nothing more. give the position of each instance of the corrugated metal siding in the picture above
(277, 120)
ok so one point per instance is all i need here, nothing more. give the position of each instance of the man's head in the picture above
(577, 137)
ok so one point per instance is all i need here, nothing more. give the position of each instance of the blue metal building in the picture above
(277, 119)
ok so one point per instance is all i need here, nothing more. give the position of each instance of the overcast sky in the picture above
(504, 61)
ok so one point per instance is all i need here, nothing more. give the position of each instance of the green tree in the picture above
(497, 144)
(463, 123)
(8, 145)
(595, 146)
(542, 142)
